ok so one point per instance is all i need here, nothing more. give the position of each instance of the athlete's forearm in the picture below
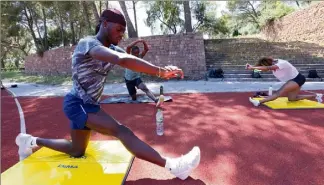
(139, 65)
(262, 68)
(125, 60)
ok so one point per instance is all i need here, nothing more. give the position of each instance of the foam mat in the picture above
(283, 103)
(105, 162)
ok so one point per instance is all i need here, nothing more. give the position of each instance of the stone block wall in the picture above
(239, 51)
(183, 50)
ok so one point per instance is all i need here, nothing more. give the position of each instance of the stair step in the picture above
(247, 75)
(296, 65)
(256, 79)
(268, 75)
(237, 67)
(304, 72)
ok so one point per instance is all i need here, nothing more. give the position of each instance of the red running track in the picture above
(240, 144)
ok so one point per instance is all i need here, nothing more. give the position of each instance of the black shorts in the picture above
(131, 84)
(299, 79)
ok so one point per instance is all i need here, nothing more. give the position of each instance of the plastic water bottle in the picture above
(159, 122)
(270, 90)
(159, 115)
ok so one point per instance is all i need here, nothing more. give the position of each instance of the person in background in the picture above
(285, 72)
(132, 78)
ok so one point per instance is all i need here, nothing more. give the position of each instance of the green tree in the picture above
(14, 38)
(204, 13)
(167, 13)
(248, 17)
(271, 10)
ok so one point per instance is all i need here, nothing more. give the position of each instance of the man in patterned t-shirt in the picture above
(93, 58)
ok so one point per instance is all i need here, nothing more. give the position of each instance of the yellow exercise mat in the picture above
(283, 103)
(105, 162)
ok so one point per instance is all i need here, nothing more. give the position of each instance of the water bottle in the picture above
(270, 90)
(159, 122)
(159, 115)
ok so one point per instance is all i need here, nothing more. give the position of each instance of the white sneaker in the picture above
(182, 167)
(319, 98)
(254, 102)
(26, 143)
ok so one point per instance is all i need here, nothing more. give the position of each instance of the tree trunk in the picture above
(80, 32)
(107, 3)
(297, 3)
(73, 33)
(45, 31)
(130, 28)
(3, 56)
(187, 15)
(30, 26)
(17, 63)
(135, 18)
(62, 29)
(86, 15)
(2, 63)
(94, 10)
(100, 7)
(34, 16)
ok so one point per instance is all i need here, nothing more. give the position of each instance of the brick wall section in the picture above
(306, 25)
(240, 51)
(56, 61)
(183, 50)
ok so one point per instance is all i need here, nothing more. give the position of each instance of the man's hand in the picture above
(171, 72)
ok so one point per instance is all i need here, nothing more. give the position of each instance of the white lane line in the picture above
(21, 113)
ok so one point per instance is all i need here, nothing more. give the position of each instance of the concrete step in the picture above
(255, 79)
(238, 75)
(246, 75)
(268, 75)
(242, 67)
(227, 63)
(220, 60)
(304, 72)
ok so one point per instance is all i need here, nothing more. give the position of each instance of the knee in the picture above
(77, 153)
(291, 99)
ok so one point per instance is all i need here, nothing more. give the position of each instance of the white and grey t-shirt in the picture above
(89, 75)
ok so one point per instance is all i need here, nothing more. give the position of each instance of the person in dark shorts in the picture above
(92, 59)
(132, 78)
(285, 72)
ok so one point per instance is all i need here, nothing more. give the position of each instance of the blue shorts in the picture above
(77, 111)
(131, 84)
